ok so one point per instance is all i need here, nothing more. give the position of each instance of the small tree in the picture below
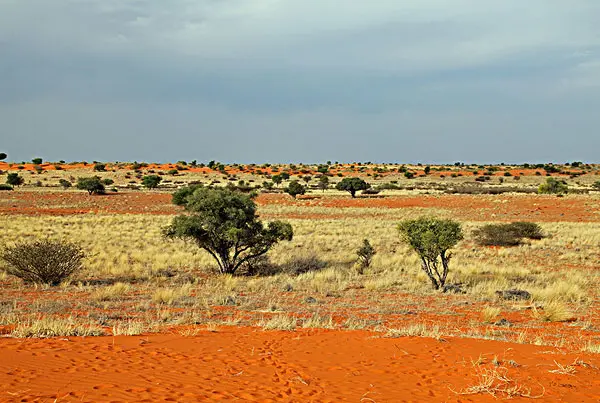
(14, 179)
(93, 185)
(277, 179)
(596, 185)
(306, 178)
(65, 183)
(553, 186)
(3, 156)
(352, 185)
(323, 183)
(151, 181)
(431, 238)
(37, 161)
(295, 188)
(224, 223)
(365, 255)
(45, 261)
(99, 167)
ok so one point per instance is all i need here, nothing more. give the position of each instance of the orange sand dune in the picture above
(245, 364)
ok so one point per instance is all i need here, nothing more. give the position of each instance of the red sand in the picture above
(467, 207)
(306, 366)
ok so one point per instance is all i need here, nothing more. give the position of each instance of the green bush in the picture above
(151, 181)
(65, 183)
(596, 185)
(93, 185)
(43, 262)
(507, 234)
(431, 238)
(352, 185)
(497, 235)
(295, 188)
(14, 179)
(225, 224)
(4, 186)
(365, 255)
(553, 186)
(99, 167)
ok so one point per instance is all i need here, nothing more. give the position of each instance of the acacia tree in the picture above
(323, 183)
(14, 179)
(3, 156)
(431, 238)
(151, 181)
(352, 185)
(295, 188)
(224, 223)
(93, 185)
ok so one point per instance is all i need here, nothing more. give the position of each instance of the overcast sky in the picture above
(300, 80)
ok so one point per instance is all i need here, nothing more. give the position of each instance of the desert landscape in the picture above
(343, 309)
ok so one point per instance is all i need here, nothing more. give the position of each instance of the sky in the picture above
(305, 81)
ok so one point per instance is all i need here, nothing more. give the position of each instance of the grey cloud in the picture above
(255, 80)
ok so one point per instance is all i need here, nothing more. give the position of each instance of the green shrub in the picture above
(553, 186)
(528, 230)
(4, 186)
(507, 234)
(37, 161)
(99, 167)
(431, 238)
(352, 185)
(151, 181)
(497, 235)
(14, 179)
(93, 185)
(295, 188)
(225, 224)
(365, 255)
(43, 262)
(596, 185)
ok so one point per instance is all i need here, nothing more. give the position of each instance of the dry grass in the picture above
(554, 311)
(279, 322)
(148, 271)
(416, 330)
(489, 314)
(55, 327)
(495, 381)
(111, 293)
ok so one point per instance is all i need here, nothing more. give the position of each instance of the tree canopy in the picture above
(224, 223)
(352, 185)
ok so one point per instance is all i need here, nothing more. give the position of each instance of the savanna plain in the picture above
(149, 318)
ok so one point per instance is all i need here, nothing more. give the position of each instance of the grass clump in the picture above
(55, 327)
